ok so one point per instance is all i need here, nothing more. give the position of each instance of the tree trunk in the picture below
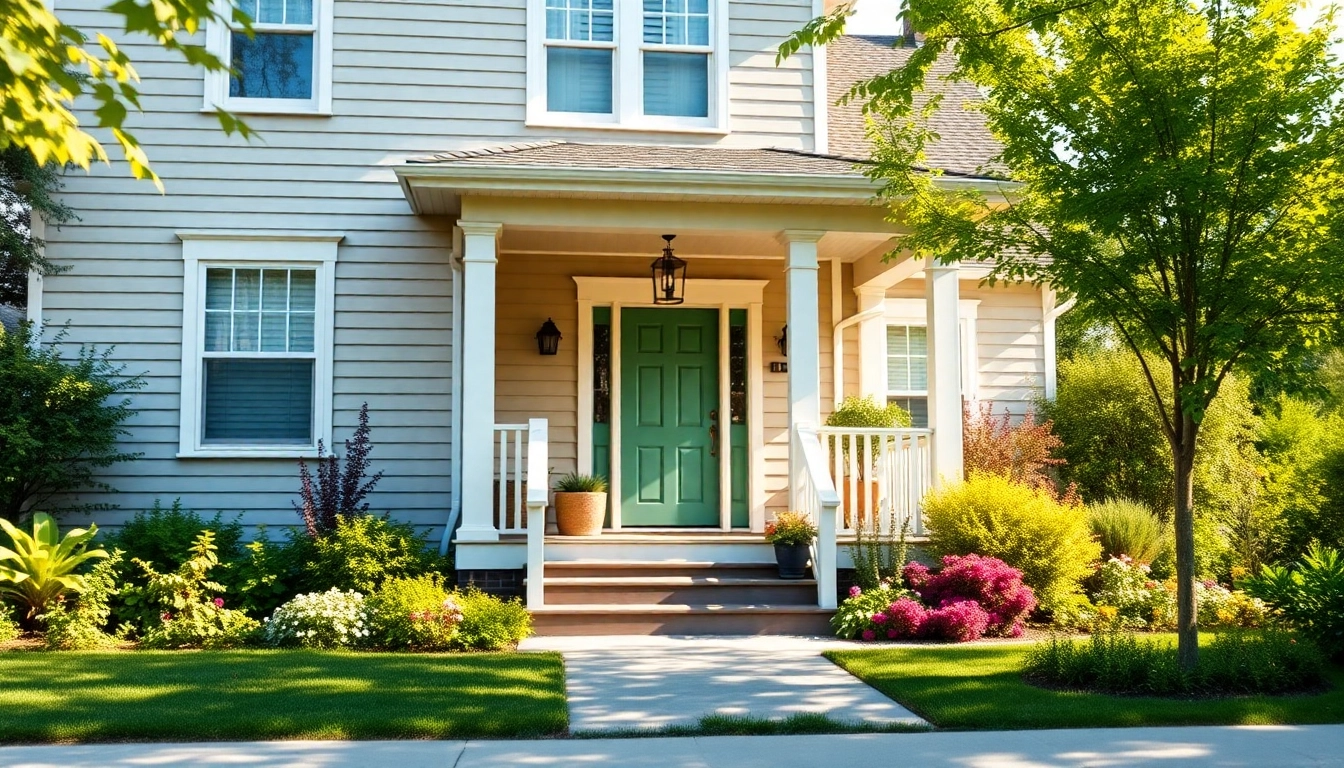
(1187, 627)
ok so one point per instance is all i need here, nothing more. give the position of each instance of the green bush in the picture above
(331, 619)
(363, 551)
(1303, 460)
(490, 623)
(1027, 528)
(865, 412)
(1235, 663)
(1310, 595)
(9, 628)
(80, 626)
(164, 537)
(187, 609)
(415, 614)
(1126, 528)
(62, 420)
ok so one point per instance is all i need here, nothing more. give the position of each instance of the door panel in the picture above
(673, 386)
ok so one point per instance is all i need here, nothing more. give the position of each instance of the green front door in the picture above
(669, 417)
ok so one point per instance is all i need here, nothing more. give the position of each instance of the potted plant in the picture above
(792, 534)
(580, 504)
(861, 413)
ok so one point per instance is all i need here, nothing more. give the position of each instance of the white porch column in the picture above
(942, 296)
(872, 345)
(804, 345)
(477, 468)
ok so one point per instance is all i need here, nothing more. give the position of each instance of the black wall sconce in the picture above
(783, 341)
(669, 276)
(548, 338)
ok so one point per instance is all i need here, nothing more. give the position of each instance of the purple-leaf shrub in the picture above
(992, 584)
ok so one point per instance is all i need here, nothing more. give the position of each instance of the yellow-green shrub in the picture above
(1051, 543)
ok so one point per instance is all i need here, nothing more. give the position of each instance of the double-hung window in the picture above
(256, 367)
(908, 371)
(284, 65)
(656, 65)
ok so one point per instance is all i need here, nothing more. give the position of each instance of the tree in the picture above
(46, 64)
(26, 189)
(1176, 162)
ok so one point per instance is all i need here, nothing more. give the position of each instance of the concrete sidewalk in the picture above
(622, 683)
(1250, 746)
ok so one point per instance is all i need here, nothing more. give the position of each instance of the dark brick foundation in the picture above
(502, 582)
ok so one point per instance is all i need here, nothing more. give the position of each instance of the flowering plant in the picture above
(1137, 599)
(190, 611)
(330, 619)
(854, 617)
(790, 528)
(992, 584)
(417, 614)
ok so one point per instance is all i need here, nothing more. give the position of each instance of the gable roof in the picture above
(565, 154)
(11, 317)
(965, 146)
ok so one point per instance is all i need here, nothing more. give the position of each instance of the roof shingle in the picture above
(650, 157)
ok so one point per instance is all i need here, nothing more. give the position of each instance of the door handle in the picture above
(714, 432)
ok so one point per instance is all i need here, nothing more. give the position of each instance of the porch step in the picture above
(654, 568)
(731, 619)
(676, 590)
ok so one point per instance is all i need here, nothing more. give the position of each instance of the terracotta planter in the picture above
(580, 514)
(792, 560)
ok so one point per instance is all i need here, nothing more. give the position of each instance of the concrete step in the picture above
(675, 590)
(730, 619)
(653, 568)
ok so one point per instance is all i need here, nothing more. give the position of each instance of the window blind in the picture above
(258, 401)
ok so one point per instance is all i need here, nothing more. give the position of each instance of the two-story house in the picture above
(433, 183)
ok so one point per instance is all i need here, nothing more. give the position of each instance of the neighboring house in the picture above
(433, 183)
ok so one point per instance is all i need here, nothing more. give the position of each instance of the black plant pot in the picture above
(792, 560)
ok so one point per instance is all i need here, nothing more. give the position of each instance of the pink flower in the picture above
(854, 591)
(879, 618)
(891, 634)
(167, 617)
(869, 635)
(905, 617)
(219, 602)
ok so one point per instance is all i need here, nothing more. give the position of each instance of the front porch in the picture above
(705, 425)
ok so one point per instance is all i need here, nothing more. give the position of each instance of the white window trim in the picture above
(218, 42)
(628, 76)
(914, 312)
(201, 249)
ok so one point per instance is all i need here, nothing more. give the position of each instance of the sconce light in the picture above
(548, 338)
(783, 341)
(669, 276)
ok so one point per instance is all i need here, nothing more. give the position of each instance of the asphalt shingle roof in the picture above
(649, 157)
(965, 145)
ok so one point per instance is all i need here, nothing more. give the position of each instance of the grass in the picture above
(264, 694)
(980, 687)
(741, 725)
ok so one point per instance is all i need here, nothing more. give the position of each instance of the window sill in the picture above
(640, 127)
(250, 453)
(269, 109)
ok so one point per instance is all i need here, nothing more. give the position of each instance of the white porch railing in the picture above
(510, 477)
(815, 494)
(881, 476)
(538, 471)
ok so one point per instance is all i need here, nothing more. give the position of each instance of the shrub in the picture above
(337, 492)
(1022, 452)
(265, 575)
(164, 537)
(80, 627)
(62, 419)
(40, 567)
(1126, 528)
(878, 556)
(1220, 607)
(990, 515)
(1235, 663)
(858, 615)
(865, 412)
(1310, 595)
(790, 528)
(959, 622)
(986, 581)
(188, 608)
(9, 628)
(331, 619)
(576, 483)
(414, 613)
(490, 623)
(1135, 597)
(363, 551)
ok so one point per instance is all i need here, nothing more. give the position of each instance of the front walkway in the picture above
(646, 683)
(1258, 747)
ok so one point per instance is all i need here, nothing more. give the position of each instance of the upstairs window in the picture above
(654, 65)
(283, 66)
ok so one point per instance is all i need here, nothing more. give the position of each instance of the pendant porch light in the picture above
(669, 276)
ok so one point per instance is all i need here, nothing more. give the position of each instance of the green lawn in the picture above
(980, 687)
(148, 695)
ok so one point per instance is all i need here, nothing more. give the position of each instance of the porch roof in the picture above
(436, 184)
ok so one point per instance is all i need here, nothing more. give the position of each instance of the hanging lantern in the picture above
(783, 341)
(669, 276)
(548, 338)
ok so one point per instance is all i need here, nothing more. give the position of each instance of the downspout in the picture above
(838, 348)
(455, 396)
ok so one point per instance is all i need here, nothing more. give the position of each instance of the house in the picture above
(436, 181)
